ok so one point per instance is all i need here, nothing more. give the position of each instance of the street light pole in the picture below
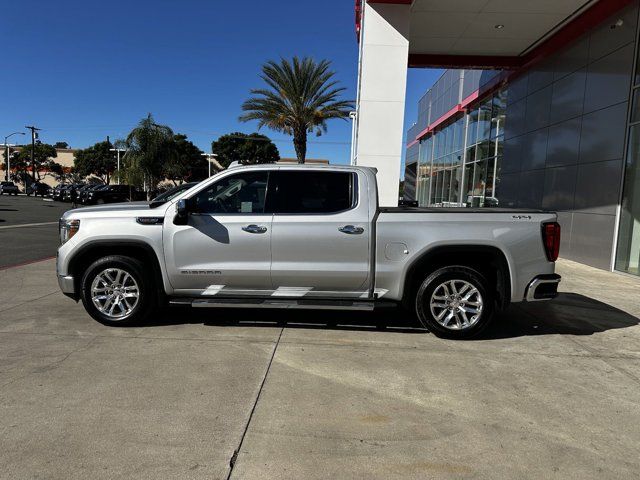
(118, 150)
(7, 153)
(209, 157)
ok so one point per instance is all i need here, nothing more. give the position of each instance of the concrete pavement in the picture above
(551, 390)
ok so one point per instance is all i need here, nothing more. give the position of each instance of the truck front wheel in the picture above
(116, 291)
(455, 302)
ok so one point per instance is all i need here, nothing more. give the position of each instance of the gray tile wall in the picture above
(564, 137)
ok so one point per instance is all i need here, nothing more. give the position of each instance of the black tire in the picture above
(100, 201)
(146, 302)
(456, 328)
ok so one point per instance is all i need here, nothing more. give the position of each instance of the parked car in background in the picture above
(8, 188)
(38, 189)
(84, 192)
(112, 194)
(71, 192)
(58, 192)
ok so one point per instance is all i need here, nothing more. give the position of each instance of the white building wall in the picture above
(382, 82)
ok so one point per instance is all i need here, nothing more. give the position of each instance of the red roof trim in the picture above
(412, 143)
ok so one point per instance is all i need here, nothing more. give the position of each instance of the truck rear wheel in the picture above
(455, 302)
(116, 291)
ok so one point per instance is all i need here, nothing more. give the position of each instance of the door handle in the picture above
(254, 228)
(351, 230)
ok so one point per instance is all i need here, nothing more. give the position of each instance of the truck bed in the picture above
(459, 210)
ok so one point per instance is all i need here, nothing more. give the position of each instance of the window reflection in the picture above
(459, 161)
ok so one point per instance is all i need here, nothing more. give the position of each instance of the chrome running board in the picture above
(315, 304)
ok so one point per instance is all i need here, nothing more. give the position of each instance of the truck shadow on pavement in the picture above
(568, 314)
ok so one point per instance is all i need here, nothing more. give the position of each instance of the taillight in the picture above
(551, 240)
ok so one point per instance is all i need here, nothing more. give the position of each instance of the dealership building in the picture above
(539, 107)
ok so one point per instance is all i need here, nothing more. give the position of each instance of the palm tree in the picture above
(301, 98)
(149, 146)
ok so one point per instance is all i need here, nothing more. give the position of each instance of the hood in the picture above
(115, 210)
(113, 207)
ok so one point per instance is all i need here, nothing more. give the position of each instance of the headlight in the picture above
(68, 228)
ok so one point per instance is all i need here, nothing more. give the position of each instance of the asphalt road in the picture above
(28, 229)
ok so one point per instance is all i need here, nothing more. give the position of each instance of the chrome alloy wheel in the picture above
(456, 304)
(115, 293)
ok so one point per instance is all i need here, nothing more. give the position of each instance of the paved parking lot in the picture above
(551, 391)
(28, 228)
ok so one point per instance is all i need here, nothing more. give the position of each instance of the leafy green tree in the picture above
(96, 160)
(43, 160)
(186, 162)
(149, 147)
(61, 145)
(300, 98)
(247, 149)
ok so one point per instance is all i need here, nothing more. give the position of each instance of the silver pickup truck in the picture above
(305, 237)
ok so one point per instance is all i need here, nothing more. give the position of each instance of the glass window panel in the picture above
(241, 193)
(472, 129)
(432, 190)
(446, 187)
(456, 179)
(438, 186)
(489, 191)
(499, 113)
(479, 183)
(468, 184)
(314, 192)
(628, 251)
(485, 149)
(484, 119)
(635, 106)
(496, 180)
(457, 158)
(471, 154)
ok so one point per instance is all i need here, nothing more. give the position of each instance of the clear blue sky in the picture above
(84, 70)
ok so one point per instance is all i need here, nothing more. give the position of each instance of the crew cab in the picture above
(272, 236)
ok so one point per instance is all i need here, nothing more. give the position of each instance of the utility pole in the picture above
(34, 135)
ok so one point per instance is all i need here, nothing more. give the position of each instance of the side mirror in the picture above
(182, 209)
(182, 212)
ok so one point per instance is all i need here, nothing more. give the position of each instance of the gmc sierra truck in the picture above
(273, 236)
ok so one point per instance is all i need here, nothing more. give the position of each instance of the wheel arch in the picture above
(92, 251)
(488, 260)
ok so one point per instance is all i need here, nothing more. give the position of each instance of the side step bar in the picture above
(274, 303)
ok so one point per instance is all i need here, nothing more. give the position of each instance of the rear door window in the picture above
(313, 192)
